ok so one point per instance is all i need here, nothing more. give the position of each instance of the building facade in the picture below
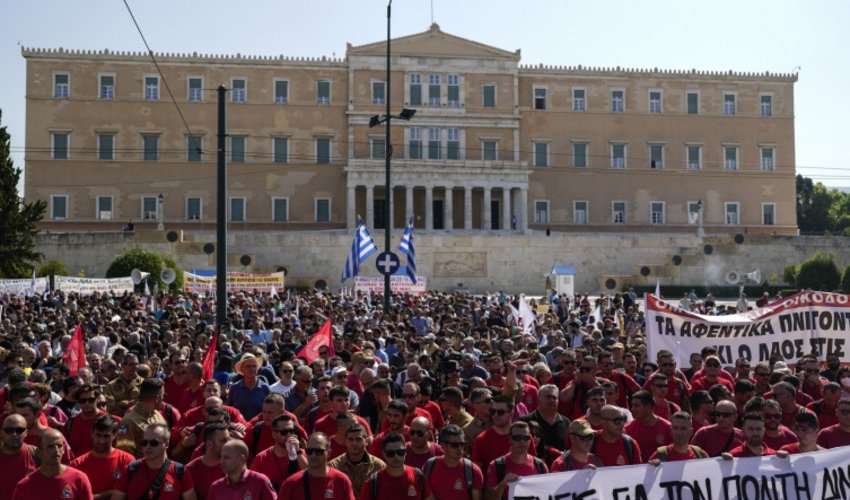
(494, 145)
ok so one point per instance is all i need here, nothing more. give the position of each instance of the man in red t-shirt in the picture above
(78, 429)
(395, 415)
(753, 445)
(710, 376)
(494, 442)
(647, 429)
(53, 479)
(612, 445)
(318, 481)
(421, 447)
(273, 462)
(659, 385)
(396, 480)
(136, 479)
(193, 396)
(239, 482)
(410, 395)
(206, 469)
(340, 397)
(838, 434)
(578, 456)
(806, 428)
(825, 408)
(678, 386)
(776, 435)
(258, 437)
(32, 410)
(446, 475)
(104, 462)
(626, 384)
(177, 384)
(518, 462)
(786, 395)
(681, 449)
(17, 459)
(722, 436)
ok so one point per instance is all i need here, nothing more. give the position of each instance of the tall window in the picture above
(151, 88)
(579, 100)
(194, 143)
(196, 89)
(281, 149)
(378, 94)
(239, 90)
(730, 158)
(767, 159)
(106, 146)
(150, 147)
(618, 156)
(237, 209)
(148, 207)
(104, 208)
(453, 91)
(694, 154)
(280, 209)
(453, 144)
(61, 87)
(656, 212)
(693, 212)
(433, 90)
(323, 209)
(323, 92)
(766, 105)
(323, 150)
(415, 89)
(541, 212)
(656, 156)
(489, 150)
(237, 148)
(540, 98)
(618, 212)
(281, 91)
(378, 149)
(59, 207)
(414, 143)
(541, 154)
(580, 154)
(729, 104)
(194, 208)
(433, 144)
(618, 101)
(655, 101)
(107, 87)
(60, 145)
(489, 96)
(693, 103)
(732, 214)
(580, 212)
(768, 212)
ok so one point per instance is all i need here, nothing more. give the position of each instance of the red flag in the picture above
(323, 337)
(74, 356)
(209, 357)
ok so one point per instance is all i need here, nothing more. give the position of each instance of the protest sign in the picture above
(818, 475)
(236, 282)
(88, 286)
(23, 286)
(803, 323)
(398, 284)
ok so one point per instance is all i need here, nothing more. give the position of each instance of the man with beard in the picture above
(753, 445)
(326, 482)
(206, 469)
(78, 429)
(574, 396)
(103, 462)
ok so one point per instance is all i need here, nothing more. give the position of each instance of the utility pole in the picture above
(221, 218)
(388, 150)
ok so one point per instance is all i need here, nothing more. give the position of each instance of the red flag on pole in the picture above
(209, 358)
(323, 337)
(74, 356)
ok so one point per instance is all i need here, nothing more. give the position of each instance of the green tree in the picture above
(819, 273)
(52, 268)
(789, 274)
(18, 254)
(845, 280)
(146, 261)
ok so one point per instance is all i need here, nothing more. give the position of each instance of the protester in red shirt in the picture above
(743, 391)
(516, 463)
(776, 435)
(193, 396)
(722, 436)
(104, 462)
(838, 434)
(136, 479)
(659, 386)
(786, 395)
(627, 384)
(679, 449)
(273, 462)
(813, 383)
(647, 429)
(825, 408)
(574, 396)
(420, 446)
(395, 416)
(678, 387)
(753, 445)
(258, 437)
(238, 481)
(78, 429)
(199, 414)
(761, 376)
(17, 459)
(340, 403)
(31, 410)
(612, 445)
(494, 442)
(318, 481)
(53, 479)
(701, 408)
(410, 395)
(177, 384)
(323, 407)
(206, 469)
(710, 376)
(430, 406)
(446, 475)
(568, 370)
(578, 456)
(396, 480)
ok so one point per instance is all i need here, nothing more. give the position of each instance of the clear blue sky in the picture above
(749, 35)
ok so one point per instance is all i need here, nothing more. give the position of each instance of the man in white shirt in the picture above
(285, 382)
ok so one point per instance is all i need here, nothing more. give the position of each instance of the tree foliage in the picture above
(789, 274)
(819, 273)
(18, 255)
(146, 261)
(821, 210)
(845, 280)
(51, 268)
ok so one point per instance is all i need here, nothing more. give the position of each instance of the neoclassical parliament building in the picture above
(494, 145)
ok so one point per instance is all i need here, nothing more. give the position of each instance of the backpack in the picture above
(662, 452)
(628, 444)
(568, 462)
(34, 454)
(502, 466)
(467, 472)
(420, 479)
(157, 484)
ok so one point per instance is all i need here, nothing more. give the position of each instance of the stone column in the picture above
(467, 207)
(448, 223)
(408, 204)
(351, 216)
(429, 208)
(523, 209)
(486, 222)
(370, 206)
(506, 208)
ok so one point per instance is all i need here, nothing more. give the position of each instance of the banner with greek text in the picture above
(398, 284)
(818, 475)
(23, 286)
(236, 282)
(88, 286)
(791, 327)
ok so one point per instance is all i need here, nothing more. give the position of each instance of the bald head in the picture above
(49, 436)
(726, 406)
(611, 411)
(14, 420)
(420, 423)
(236, 447)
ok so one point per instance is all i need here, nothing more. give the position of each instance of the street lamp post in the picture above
(160, 199)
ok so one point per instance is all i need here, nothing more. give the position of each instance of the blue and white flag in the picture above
(406, 247)
(361, 248)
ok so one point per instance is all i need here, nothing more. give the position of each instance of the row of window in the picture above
(657, 212)
(655, 105)
(656, 156)
(194, 209)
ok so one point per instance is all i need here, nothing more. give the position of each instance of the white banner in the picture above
(791, 327)
(236, 282)
(88, 286)
(818, 475)
(398, 284)
(23, 286)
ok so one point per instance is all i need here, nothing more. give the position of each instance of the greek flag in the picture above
(361, 248)
(406, 247)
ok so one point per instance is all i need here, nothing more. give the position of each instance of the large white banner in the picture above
(236, 282)
(88, 286)
(398, 284)
(791, 327)
(818, 475)
(23, 286)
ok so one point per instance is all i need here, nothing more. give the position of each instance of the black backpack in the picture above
(154, 488)
(467, 472)
(502, 466)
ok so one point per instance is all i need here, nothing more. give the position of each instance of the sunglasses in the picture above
(14, 430)
(83, 401)
(410, 396)
(153, 443)
(724, 414)
(285, 432)
(581, 438)
(712, 365)
(568, 362)
(315, 451)
(101, 404)
(844, 412)
(762, 374)
(500, 413)
(585, 369)
(418, 433)
(661, 386)
(394, 453)
(812, 370)
(520, 438)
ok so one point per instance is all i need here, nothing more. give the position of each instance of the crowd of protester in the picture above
(444, 396)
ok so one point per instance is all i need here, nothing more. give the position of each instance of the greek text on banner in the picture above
(236, 282)
(819, 475)
(803, 323)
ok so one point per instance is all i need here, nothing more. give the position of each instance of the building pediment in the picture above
(434, 43)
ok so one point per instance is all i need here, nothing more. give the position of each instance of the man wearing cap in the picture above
(578, 456)
(248, 394)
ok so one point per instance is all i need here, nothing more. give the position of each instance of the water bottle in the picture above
(292, 449)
